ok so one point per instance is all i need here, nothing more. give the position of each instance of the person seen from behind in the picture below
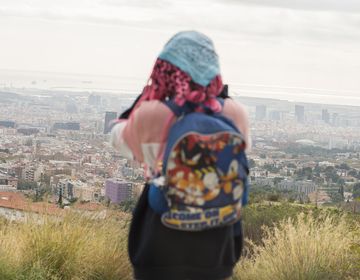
(191, 137)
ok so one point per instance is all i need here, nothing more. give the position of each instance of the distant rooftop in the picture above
(17, 201)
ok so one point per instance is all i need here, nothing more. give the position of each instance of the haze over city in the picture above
(293, 50)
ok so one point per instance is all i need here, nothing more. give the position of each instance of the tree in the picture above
(353, 173)
(73, 200)
(317, 170)
(305, 173)
(329, 169)
(26, 185)
(127, 205)
(251, 163)
(330, 173)
(344, 166)
(273, 197)
(291, 165)
(277, 180)
(336, 197)
(45, 179)
(341, 182)
(356, 190)
(271, 168)
(341, 191)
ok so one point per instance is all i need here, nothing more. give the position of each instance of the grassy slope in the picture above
(75, 247)
(320, 244)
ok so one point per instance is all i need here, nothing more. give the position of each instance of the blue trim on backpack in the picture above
(157, 200)
(245, 197)
(201, 123)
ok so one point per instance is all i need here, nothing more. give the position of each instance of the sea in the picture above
(13, 80)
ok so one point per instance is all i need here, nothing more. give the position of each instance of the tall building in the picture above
(325, 116)
(335, 119)
(275, 115)
(28, 131)
(118, 190)
(7, 124)
(94, 100)
(28, 173)
(299, 113)
(8, 183)
(109, 116)
(71, 108)
(260, 113)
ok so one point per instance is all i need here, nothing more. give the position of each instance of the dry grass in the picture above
(312, 246)
(305, 248)
(73, 247)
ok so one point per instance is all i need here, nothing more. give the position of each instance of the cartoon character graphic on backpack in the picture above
(195, 153)
(188, 185)
(210, 171)
(231, 172)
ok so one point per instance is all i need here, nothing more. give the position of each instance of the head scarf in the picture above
(187, 70)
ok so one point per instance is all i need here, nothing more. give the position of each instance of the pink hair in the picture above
(169, 81)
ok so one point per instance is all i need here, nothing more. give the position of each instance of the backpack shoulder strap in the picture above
(176, 109)
(221, 101)
(187, 108)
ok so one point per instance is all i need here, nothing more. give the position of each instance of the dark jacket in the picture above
(160, 253)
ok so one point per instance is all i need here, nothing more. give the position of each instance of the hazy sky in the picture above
(288, 43)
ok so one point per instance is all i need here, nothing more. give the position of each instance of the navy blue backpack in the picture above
(203, 182)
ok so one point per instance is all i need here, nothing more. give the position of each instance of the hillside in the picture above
(299, 242)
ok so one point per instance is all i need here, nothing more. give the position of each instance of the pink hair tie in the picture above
(213, 104)
(196, 96)
(179, 100)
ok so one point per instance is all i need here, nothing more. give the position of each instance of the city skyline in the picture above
(61, 145)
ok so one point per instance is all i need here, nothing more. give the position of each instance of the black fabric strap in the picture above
(188, 107)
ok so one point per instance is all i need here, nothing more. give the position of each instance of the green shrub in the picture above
(256, 216)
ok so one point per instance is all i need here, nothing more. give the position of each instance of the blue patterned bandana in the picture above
(194, 53)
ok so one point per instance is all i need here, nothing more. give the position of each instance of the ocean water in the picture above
(12, 80)
(299, 94)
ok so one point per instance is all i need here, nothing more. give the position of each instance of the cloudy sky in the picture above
(313, 44)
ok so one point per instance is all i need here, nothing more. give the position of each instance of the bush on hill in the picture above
(73, 247)
(305, 247)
